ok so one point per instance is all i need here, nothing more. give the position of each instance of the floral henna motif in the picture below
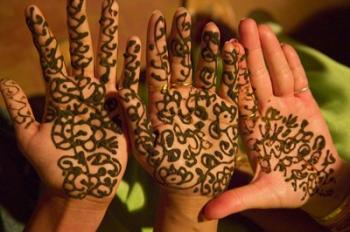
(301, 156)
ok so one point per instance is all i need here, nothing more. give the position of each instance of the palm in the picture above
(190, 122)
(81, 138)
(292, 150)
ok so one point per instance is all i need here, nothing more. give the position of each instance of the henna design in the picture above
(51, 61)
(160, 47)
(82, 129)
(17, 103)
(194, 142)
(109, 27)
(207, 74)
(78, 49)
(248, 115)
(181, 47)
(229, 78)
(301, 156)
(131, 64)
(182, 152)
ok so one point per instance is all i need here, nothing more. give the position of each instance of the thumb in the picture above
(19, 109)
(251, 196)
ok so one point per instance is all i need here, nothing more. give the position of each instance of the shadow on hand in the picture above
(19, 183)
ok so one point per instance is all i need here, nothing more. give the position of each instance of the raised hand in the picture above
(79, 150)
(189, 142)
(289, 144)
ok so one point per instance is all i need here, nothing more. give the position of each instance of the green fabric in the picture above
(330, 84)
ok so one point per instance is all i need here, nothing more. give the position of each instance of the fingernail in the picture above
(242, 19)
(233, 40)
(155, 12)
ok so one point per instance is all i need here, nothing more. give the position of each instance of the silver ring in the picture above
(302, 90)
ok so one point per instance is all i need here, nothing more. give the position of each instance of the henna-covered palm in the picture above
(288, 141)
(80, 148)
(189, 142)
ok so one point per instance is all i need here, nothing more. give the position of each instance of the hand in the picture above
(290, 147)
(80, 150)
(189, 142)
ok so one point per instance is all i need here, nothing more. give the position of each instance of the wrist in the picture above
(59, 213)
(179, 209)
(339, 219)
(320, 206)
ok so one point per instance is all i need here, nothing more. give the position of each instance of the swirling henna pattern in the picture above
(18, 104)
(78, 49)
(182, 151)
(208, 74)
(162, 52)
(81, 121)
(131, 64)
(52, 63)
(109, 27)
(301, 156)
(230, 78)
(181, 46)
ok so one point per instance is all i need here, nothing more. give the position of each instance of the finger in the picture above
(232, 59)
(180, 47)
(251, 196)
(108, 45)
(207, 66)
(280, 73)
(80, 39)
(300, 78)
(139, 127)
(247, 103)
(19, 109)
(51, 59)
(259, 75)
(132, 64)
(158, 69)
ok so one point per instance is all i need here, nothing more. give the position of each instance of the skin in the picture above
(188, 139)
(289, 144)
(188, 142)
(80, 149)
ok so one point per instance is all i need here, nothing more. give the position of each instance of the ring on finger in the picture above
(301, 90)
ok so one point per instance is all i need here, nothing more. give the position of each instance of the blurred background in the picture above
(323, 25)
